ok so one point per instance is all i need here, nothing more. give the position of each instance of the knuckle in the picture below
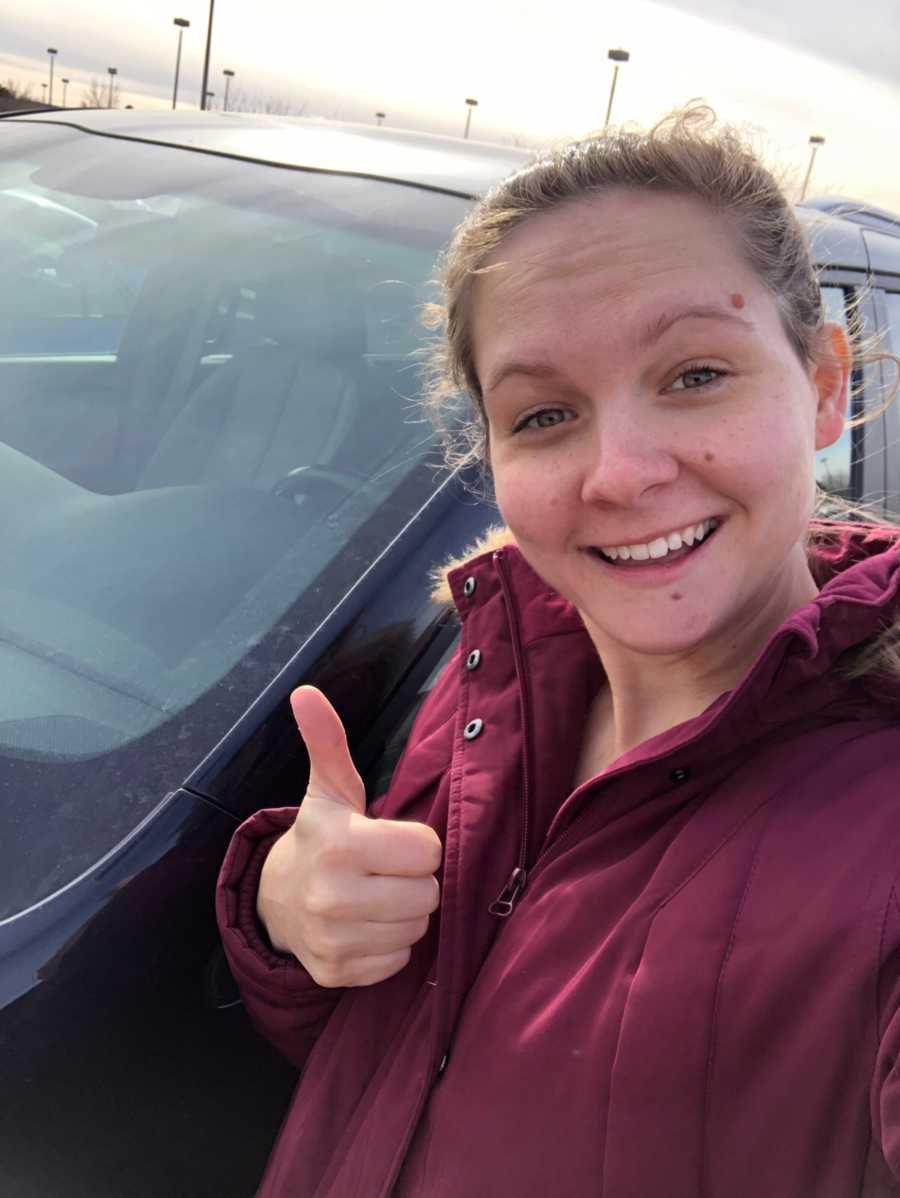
(323, 973)
(331, 853)
(322, 902)
(419, 928)
(330, 943)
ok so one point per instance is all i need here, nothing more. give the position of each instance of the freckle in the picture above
(675, 595)
(738, 300)
(709, 457)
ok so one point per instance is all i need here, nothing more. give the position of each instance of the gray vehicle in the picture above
(858, 251)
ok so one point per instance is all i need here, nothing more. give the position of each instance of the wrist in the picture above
(269, 904)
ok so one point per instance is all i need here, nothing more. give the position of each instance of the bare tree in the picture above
(15, 95)
(243, 101)
(97, 95)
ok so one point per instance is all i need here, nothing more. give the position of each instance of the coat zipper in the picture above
(503, 904)
(505, 901)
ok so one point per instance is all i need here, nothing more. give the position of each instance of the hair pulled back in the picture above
(686, 153)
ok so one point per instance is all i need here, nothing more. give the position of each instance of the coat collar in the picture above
(857, 567)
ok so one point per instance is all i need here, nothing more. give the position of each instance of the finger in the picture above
(397, 900)
(338, 941)
(332, 774)
(381, 900)
(363, 971)
(396, 848)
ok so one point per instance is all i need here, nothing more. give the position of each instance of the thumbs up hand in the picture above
(346, 894)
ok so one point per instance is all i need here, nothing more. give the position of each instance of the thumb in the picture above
(332, 774)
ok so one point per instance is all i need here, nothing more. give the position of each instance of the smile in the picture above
(664, 548)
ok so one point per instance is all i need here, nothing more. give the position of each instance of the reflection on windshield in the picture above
(206, 391)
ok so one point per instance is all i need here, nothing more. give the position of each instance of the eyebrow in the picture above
(651, 333)
(663, 323)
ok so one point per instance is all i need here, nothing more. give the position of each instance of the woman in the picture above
(626, 920)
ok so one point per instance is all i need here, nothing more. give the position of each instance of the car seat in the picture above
(289, 400)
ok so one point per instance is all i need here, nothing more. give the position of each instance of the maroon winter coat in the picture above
(696, 989)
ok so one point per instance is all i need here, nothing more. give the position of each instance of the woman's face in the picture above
(638, 383)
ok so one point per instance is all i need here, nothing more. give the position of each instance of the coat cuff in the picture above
(258, 968)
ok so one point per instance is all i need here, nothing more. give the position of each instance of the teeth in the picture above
(693, 534)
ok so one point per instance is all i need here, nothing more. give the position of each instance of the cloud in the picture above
(866, 39)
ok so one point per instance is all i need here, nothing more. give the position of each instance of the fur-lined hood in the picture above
(495, 538)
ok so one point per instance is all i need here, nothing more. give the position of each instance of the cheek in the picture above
(531, 500)
(766, 452)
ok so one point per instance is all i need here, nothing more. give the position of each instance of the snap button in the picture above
(473, 661)
(473, 729)
(678, 776)
(469, 586)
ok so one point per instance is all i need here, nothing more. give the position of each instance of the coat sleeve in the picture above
(885, 1094)
(281, 999)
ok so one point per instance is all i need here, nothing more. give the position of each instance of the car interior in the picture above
(211, 381)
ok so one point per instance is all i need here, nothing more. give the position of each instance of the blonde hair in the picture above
(688, 153)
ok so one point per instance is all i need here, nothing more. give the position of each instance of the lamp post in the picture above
(113, 71)
(616, 56)
(815, 141)
(209, 96)
(204, 93)
(471, 104)
(65, 83)
(229, 75)
(182, 24)
(51, 50)
(43, 93)
(379, 118)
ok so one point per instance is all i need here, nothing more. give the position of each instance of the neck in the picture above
(647, 694)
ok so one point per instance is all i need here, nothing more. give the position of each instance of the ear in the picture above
(831, 379)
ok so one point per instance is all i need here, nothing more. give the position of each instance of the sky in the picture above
(782, 69)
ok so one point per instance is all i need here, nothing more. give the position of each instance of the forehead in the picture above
(625, 253)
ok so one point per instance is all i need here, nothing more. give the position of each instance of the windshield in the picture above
(207, 378)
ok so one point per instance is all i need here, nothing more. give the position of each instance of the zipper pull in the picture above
(506, 900)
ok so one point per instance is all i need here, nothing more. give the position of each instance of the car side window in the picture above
(833, 464)
(892, 304)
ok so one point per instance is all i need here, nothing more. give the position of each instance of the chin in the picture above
(652, 640)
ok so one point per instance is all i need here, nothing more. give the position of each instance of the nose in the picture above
(624, 460)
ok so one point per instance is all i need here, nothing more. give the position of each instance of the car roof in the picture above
(450, 164)
(466, 168)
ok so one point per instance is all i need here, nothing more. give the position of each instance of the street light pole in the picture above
(616, 56)
(204, 85)
(182, 25)
(52, 52)
(471, 104)
(379, 118)
(229, 75)
(113, 71)
(65, 83)
(815, 142)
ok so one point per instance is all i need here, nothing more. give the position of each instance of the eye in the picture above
(545, 418)
(696, 376)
